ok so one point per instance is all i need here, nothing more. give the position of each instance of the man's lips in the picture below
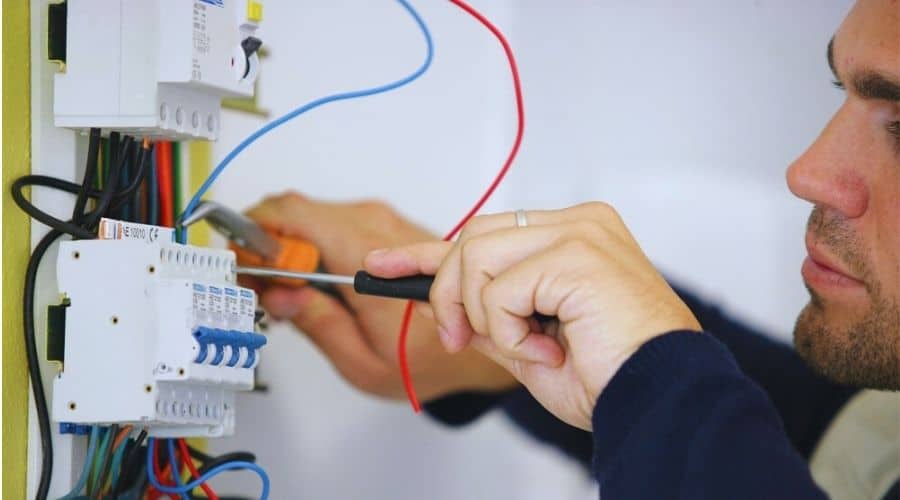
(819, 268)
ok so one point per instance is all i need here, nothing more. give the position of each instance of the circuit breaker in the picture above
(156, 68)
(151, 333)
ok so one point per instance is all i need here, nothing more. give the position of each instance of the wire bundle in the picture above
(133, 182)
(142, 184)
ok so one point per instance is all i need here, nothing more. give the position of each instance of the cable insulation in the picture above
(308, 107)
(88, 458)
(164, 181)
(186, 456)
(152, 476)
(520, 131)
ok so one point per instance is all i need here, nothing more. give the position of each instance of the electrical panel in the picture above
(151, 333)
(155, 68)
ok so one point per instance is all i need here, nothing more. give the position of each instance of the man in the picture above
(655, 408)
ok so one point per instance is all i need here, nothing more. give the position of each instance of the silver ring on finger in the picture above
(521, 218)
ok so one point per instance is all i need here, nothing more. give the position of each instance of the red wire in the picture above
(159, 474)
(164, 175)
(186, 458)
(520, 130)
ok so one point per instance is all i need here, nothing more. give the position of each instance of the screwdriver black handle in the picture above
(409, 288)
(415, 287)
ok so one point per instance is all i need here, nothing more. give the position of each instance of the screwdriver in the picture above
(415, 287)
(410, 288)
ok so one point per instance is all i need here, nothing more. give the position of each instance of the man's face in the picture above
(850, 330)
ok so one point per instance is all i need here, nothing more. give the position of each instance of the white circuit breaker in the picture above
(152, 333)
(156, 68)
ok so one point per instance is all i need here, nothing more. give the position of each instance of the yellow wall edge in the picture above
(16, 242)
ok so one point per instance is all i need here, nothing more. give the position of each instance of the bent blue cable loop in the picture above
(215, 471)
(265, 129)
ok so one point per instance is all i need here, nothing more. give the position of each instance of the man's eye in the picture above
(837, 84)
(894, 129)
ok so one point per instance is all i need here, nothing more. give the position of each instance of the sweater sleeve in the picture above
(680, 420)
(805, 402)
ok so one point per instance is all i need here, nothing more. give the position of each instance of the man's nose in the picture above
(831, 173)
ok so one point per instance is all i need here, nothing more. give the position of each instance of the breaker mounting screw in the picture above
(76, 254)
(71, 405)
(151, 269)
(115, 320)
(148, 388)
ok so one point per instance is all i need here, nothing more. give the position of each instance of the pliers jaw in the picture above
(238, 228)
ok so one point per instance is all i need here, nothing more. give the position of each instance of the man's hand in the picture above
(359, 335)
(580, 265)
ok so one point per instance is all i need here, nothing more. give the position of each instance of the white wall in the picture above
(683, 116)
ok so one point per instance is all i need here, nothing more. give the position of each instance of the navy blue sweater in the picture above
(724, 414)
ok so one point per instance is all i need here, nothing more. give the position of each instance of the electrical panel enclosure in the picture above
(156, 68)
(156, 335)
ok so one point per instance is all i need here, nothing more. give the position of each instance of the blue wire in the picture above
(176, 472)
(82, 480)
(215, 471)
(307, 107)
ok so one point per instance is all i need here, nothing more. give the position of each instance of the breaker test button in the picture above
(254, 11)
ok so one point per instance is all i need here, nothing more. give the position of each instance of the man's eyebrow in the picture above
(868, 84)
(875, 86)
(830, 55)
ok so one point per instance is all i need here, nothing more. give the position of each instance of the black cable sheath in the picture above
(132, 459)
(73, 188)
(43, 217)
(109, 189)
(90, 172)
(34, 371)
(235, 456)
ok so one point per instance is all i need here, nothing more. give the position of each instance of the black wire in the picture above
(235, 456)
(73, 188)
(109, 189)
(39, 215)
(83, 231)
(34, 371)
(90, 172)
(199, 455)
(129, 193)
(58, 228)
(132, 459)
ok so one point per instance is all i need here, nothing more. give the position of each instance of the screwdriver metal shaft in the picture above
(410, 288)
(268, 272)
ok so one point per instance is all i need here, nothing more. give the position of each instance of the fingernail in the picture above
(445, 337)
(379, 252)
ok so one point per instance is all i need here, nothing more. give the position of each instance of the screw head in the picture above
(76, 254)
(148, 388)
(151, 269)
(71, 405)
(115, 320)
